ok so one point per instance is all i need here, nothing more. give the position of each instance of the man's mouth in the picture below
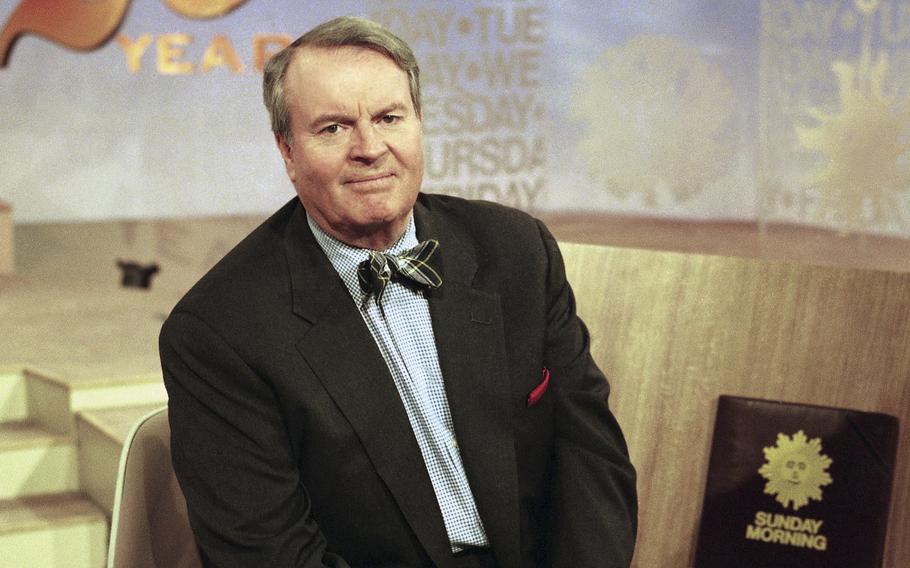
(374, 180)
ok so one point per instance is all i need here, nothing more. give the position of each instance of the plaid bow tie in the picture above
(410, 267)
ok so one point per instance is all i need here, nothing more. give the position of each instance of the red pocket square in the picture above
(538, 391)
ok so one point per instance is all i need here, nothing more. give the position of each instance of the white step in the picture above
(54, 402)
(52, 531)
(101, 434)
(13, 399)
(111, 393)
(34, 461)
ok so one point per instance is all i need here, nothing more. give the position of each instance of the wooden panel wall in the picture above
(673, 331)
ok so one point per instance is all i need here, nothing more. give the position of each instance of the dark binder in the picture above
(795, 485)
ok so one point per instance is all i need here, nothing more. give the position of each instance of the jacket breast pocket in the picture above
(538, 391)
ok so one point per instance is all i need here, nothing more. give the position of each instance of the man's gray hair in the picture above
(346, 31)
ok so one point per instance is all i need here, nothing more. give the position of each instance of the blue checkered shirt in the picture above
(403, 332)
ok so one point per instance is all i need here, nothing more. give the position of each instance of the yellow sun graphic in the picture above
(864, 165)
(864, 146)
(796, 470)
(657, 116)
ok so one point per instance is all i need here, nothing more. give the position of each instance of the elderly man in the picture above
(378, 377)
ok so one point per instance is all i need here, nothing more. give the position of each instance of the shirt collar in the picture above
(345, 258)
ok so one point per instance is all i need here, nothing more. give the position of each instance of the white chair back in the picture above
(149, 524)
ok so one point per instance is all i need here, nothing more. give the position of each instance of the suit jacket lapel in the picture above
(469, 338)
(341, 352)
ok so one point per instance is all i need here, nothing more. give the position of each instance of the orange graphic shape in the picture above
(203, 9)
(76, 24)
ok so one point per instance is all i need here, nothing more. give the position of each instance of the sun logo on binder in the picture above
(796, 470)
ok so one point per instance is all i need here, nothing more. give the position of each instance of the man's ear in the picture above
(285, 148)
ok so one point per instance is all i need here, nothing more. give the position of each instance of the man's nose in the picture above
(367, 144)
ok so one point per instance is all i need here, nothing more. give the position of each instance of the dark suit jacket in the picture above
(294, 449)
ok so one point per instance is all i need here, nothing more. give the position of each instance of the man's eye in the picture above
(331, 129)
(390, 118)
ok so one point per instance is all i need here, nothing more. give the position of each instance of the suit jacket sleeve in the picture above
(593, 512)
(232, 456)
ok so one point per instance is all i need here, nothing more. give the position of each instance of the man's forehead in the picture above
(341, 54)
(315, 81)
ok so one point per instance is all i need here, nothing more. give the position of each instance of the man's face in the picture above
(356, 159)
